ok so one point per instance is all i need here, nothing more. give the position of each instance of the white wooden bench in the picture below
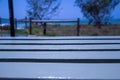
(32, 58)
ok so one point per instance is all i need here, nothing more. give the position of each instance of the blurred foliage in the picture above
(98, 12)
(43, 9)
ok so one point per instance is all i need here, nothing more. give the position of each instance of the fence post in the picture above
(26, 22)
(44, 28)
(0, 24)
(11, 17)
(78, 26)
(0, 20)
(30, 28)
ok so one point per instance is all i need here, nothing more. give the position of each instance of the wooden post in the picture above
(78, 26)
(26, 22)
(0, 20)
(11, 17)
(0, 23)
(44, 28)
(30, 28)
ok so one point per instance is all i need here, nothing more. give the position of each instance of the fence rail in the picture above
(47, 21)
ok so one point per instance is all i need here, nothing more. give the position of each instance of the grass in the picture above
(70, 30)
(4, 32)
(50, 34)
(109, 30)
(21, 31)
(36, 31)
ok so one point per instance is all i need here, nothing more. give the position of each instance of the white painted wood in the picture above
(52, 47)
(76, 71)
(61, 55)
(60, 41)
(61, 37)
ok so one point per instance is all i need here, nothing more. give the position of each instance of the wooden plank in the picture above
(61, 55)
(19, 55)
(74, 71)
(63, 38)
(60, 41)
(60, 47)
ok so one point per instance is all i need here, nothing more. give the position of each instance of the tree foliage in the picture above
(42, 9)
(97, 11)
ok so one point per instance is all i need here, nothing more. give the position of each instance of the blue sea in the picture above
(113, 21)
(21, 25)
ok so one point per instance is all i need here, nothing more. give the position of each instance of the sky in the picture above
(68, 10)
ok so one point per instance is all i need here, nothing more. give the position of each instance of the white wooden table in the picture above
(60, 57)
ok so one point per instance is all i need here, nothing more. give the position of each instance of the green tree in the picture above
(43, 9)
(98, 12)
